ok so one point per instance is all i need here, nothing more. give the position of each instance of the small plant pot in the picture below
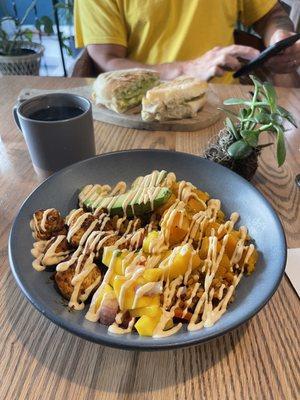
(25, 59)
(217, 151)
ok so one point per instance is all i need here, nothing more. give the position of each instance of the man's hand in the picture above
(217, 61)
(289, 59)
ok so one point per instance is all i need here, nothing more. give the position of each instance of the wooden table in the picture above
(38, 360)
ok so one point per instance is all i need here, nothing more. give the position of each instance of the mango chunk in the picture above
(152, 274)
(107, 254)
(146, 325)
(148, 301)
(118, 267)
(149, 240)
(129, 293)
(105, 289)
(128, 300)
(151, 311)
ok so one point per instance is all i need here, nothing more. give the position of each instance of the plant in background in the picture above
(67, 7)
(237, 145)
(9, 43)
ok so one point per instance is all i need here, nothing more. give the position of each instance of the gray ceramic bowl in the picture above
(60, 191)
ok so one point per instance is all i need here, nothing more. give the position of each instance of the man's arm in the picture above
(276, 26)
(216, 62)
(274, 20)
(110, 57)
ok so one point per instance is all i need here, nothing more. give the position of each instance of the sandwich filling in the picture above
(130, 95)
(178, 99)
(123, 90)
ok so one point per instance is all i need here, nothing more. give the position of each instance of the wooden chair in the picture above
(84, 66)
(293, 9)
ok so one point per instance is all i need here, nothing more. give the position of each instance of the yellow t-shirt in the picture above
(159, 31)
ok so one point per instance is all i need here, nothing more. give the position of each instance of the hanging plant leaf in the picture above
(262, 146)
(234, 101)
(229, 112)
(239, 150)
(270, 95)
(250, 137)
(287, 115)
(46, 23)
(245, 113)
(256, 81)
(280, 146)
(262, 117)
(27, 34)
(276, 118)
(232, 128)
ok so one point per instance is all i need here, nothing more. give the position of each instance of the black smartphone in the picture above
(266, 54)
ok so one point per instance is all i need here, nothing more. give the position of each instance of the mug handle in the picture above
(15, 114)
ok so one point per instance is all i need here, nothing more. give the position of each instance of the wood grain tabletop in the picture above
(39, 360)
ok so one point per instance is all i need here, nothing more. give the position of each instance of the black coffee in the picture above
(56, 113)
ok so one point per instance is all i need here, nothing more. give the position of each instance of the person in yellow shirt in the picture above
(175, 37)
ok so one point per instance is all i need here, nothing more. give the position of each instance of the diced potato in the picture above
(220, 217)
(225, 262)
(166, 206)
(152, 274)
(180, 262)
(210, 227)
(195, 205)
(179, 229)
(224, 266)
(202, 195)
(252, 261)
(233, 238)
(146, 325)
(205, 246)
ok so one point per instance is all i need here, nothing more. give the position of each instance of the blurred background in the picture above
(48, 23)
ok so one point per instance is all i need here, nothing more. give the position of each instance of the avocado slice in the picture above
(144, 180)
(135, 207)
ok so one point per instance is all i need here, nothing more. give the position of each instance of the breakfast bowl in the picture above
(236, 194)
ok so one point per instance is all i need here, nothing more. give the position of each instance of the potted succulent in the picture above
(19, 55)
(237, 145)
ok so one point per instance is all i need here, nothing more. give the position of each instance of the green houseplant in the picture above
(19, 55)
(237, 145)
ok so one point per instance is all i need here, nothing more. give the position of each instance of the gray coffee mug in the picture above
(55, 144)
